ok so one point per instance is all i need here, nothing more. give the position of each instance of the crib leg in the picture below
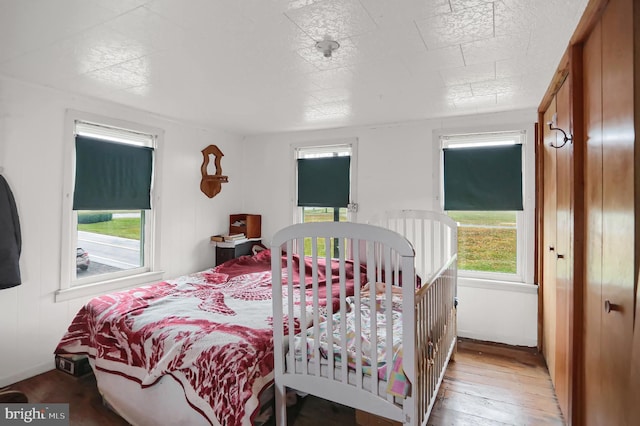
(455, 338)
(454, 351)
(281, 405)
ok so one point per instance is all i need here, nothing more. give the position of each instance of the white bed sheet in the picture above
(164, 400)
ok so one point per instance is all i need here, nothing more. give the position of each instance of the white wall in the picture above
(396, 171)
(31, 156)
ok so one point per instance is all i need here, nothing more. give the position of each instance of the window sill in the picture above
(103, 287)
(489, 284)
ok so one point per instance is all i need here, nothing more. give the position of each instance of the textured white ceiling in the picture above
(251, 66)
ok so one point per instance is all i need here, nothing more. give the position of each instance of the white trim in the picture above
(68, 238)
(514, 287)
(68, 279)
(109, 276)
(113, 122)
(491, 276)
(107, 286)
(114, 134)
(28, 373)
(476, 136)
(499, 338)
(529, 194)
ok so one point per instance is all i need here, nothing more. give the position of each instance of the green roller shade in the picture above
(483, 178)
(323, 182)
(112, 176)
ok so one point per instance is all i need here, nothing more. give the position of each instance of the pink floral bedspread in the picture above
(212, 331)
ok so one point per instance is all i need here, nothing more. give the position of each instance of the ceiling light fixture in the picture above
(327, 46)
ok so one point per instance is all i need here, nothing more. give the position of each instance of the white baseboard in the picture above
(508, 340)
(33, 371)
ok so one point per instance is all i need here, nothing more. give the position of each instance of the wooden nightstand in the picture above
(227, 251)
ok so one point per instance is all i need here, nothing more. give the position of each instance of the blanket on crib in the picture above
(212, 331)
(397, 383)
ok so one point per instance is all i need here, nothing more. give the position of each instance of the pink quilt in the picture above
(212, 331)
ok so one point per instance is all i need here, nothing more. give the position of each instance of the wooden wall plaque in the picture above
(211, 185)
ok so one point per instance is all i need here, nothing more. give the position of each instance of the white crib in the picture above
(427, 329)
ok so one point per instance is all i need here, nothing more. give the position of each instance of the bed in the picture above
(384, 349)
(194, 350)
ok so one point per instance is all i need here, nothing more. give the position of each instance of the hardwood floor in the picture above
(488, 384)
(85, 403)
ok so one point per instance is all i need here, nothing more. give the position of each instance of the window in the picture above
(108, 240)
(482, 190)
(324, 184)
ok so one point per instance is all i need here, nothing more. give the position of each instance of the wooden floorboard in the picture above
(488, 384)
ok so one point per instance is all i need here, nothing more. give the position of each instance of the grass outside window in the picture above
(320, 214)
(487, 241)
(123, 227)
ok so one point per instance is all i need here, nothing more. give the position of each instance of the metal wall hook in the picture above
(565, 137)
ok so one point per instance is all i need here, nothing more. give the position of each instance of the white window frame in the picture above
(70, 286)
(525, 219)
(325, 145)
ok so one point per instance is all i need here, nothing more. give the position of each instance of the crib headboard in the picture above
(358, 243)
(434, 237)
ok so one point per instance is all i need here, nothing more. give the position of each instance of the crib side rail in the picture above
(435, 336)
(434, 237)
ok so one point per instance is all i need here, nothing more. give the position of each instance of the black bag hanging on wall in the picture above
(10, 238)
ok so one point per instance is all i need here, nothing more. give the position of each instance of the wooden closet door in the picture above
(593, 412)
(610, 215)
(618, 220)
(557, 258)
(548, 248)
(633, 393)
(564, 256)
